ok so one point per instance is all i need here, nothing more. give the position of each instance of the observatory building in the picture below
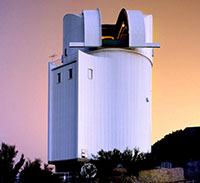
(100, 96)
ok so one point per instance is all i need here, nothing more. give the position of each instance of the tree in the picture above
(33, 173)
(132, 161)
(8, 168)
(178, 147)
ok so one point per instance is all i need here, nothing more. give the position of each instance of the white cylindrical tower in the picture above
(115, 104)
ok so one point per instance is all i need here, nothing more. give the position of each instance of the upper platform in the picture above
(85, 32)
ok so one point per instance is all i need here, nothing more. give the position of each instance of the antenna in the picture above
(53, 57)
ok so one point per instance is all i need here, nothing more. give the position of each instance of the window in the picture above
(65, 51)
(90, 73)
(58, 77)
(70, 74)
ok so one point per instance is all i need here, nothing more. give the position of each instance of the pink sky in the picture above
(31, 31)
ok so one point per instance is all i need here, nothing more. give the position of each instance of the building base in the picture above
(73, 165)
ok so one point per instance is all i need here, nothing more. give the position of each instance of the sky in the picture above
(31, 31)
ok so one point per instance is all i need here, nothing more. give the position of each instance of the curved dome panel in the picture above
(137, 30)
(136, 26)
(92, 28)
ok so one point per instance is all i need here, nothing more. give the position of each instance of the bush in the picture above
(33, 173)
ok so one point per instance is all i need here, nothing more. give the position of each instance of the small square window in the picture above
(70, 74)
(58, 77)
(90, 73)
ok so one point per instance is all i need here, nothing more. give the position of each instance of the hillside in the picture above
(178, 147)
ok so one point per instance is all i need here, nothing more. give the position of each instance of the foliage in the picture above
(32, 173)
(106, 161)
(8, 168)
(178, 147)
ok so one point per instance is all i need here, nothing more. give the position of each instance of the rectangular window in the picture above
(90, 74)
(65, 51)
(58, 77)
(70, 74)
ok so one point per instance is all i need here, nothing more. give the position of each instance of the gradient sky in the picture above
(31, 31)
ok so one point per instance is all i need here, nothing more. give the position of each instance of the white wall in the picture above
(106, 112)
(63, 115)
(112, 107)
